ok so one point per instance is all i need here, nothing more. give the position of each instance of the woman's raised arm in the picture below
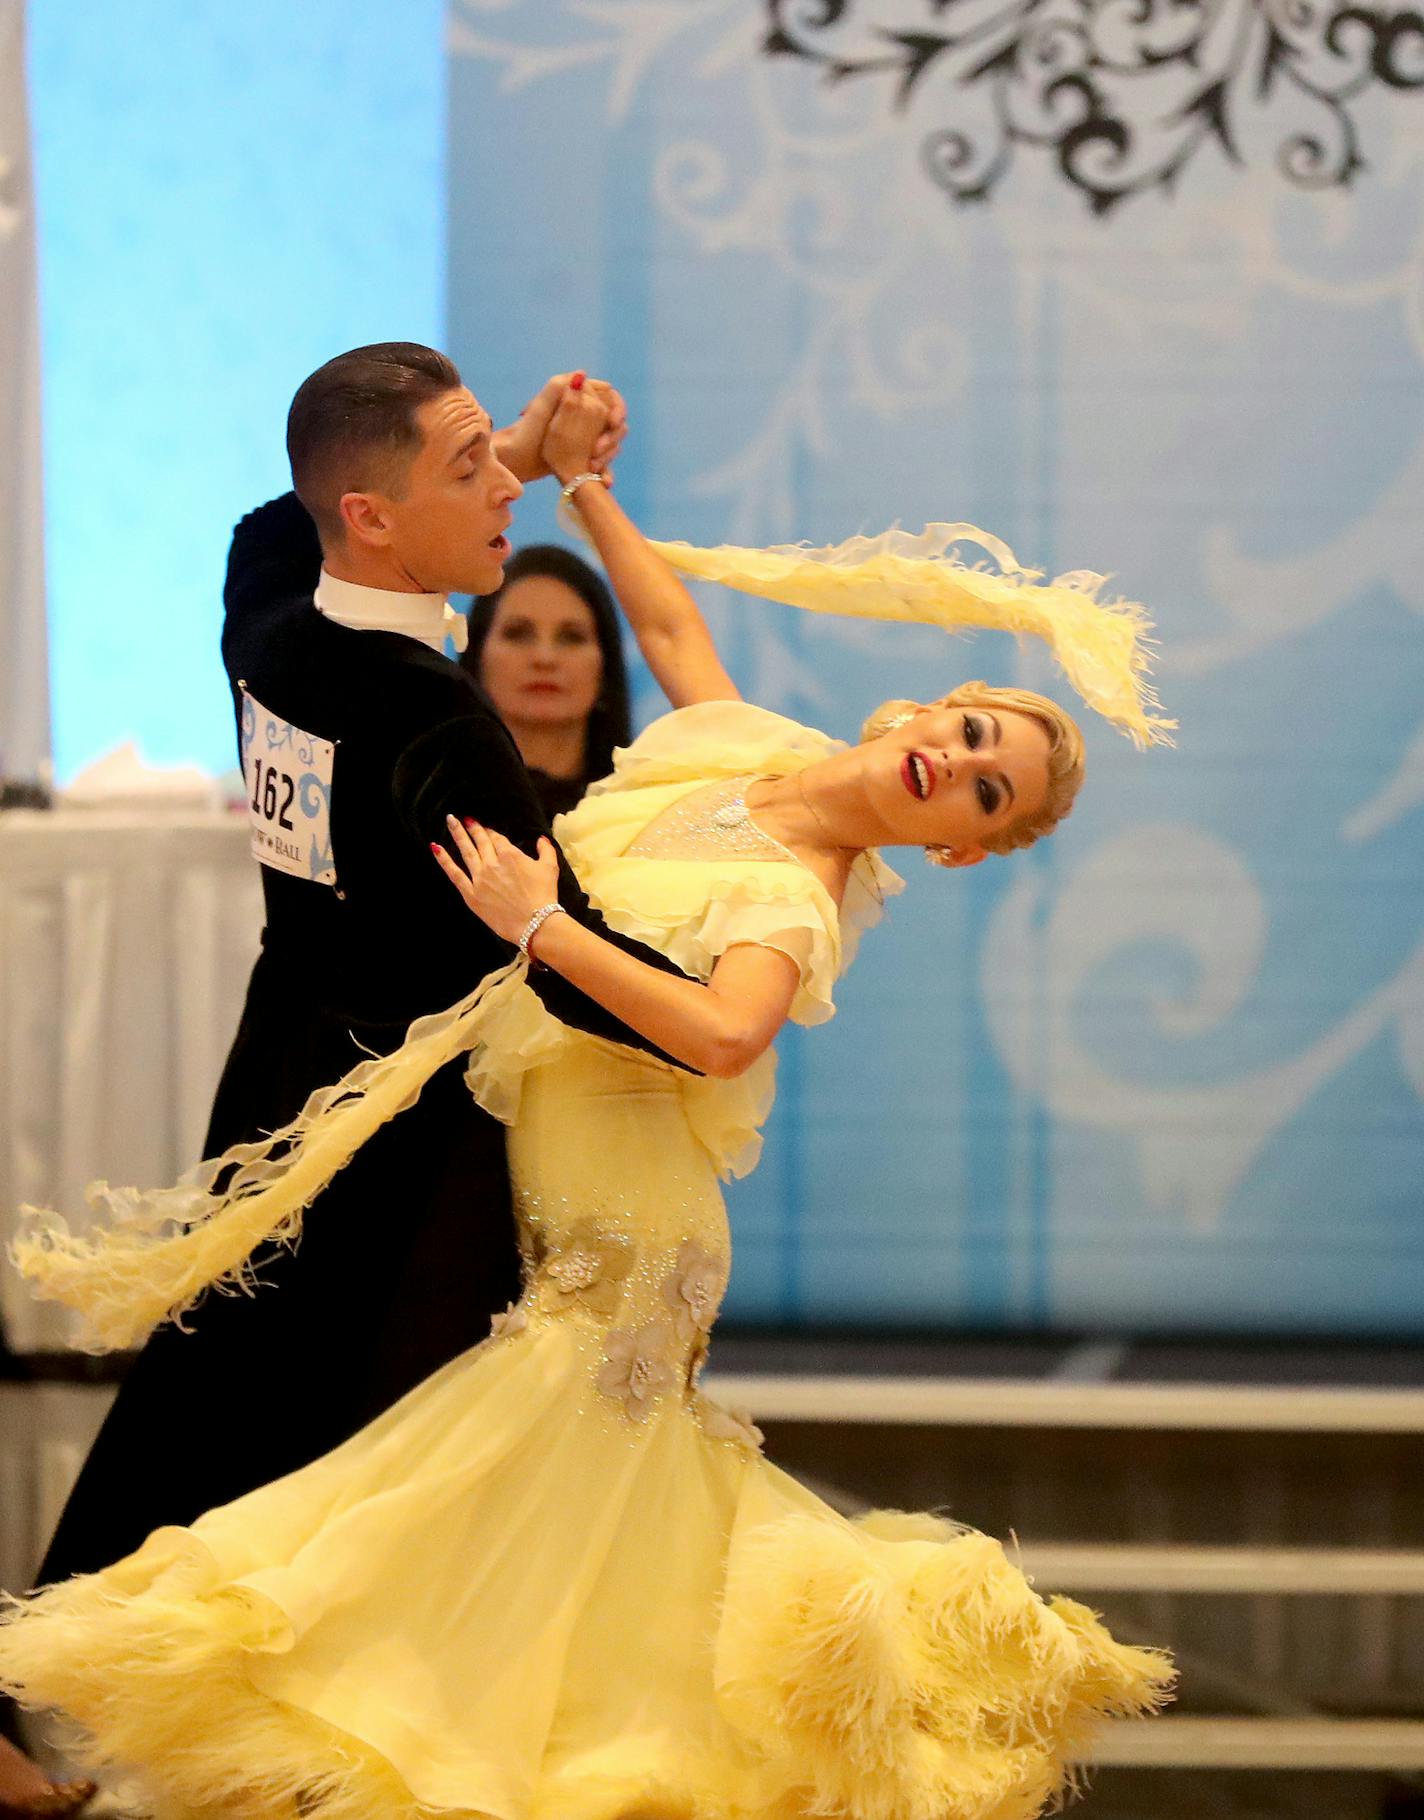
(665, 619)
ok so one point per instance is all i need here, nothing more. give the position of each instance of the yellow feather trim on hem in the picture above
(865, 1699)
(167, 1246)
(897, 1669)
(904, 1669)
(1101, 645)
(156, 1683)
(156, 1688)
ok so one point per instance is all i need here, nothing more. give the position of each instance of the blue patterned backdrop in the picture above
(1166, 1070)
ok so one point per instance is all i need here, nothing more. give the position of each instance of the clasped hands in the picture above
(572, 425)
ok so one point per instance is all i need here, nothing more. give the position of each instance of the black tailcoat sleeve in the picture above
(469, 767)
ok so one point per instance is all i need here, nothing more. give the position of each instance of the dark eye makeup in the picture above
(989, 794)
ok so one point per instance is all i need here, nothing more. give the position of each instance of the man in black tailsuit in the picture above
(359, 736)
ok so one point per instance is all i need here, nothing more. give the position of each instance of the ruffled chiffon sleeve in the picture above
(694, 910)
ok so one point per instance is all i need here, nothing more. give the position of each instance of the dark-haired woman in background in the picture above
(546, 650)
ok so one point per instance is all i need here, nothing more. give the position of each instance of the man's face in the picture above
(446, 533)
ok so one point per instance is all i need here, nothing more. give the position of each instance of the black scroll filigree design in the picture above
(1122, 93)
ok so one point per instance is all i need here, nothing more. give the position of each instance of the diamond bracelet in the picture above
(535, 924)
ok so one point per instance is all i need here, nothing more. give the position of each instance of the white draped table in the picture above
(125, 945)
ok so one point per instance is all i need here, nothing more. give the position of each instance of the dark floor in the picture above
(1103, 1358)
(1182, 1794)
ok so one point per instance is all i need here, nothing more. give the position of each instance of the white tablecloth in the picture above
(125, 946)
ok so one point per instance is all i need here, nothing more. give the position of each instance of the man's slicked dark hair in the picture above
(352, 423)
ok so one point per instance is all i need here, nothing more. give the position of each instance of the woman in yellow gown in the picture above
(556, 1581)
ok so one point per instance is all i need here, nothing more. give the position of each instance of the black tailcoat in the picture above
(406, 1255)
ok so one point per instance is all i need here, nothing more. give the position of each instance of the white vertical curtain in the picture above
(125, 946)
(24, 664)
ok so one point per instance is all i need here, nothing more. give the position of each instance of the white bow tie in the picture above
(457, 628)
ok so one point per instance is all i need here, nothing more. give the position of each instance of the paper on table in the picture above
(124, 779)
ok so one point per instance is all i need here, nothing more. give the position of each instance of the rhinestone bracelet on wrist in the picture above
(534, 925)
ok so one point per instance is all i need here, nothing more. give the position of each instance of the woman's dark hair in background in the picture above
(610, 724)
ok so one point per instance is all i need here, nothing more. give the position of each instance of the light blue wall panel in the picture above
(226, 197)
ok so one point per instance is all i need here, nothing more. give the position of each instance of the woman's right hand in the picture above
(576, 428)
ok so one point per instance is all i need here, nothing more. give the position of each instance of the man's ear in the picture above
(365, 519)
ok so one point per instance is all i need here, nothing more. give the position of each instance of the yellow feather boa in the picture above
(1102, 645)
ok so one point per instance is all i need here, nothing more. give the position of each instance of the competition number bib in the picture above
(288, 775)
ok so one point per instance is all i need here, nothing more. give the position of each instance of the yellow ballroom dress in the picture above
(556, 1581)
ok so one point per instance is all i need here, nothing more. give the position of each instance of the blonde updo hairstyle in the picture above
(1065, 756)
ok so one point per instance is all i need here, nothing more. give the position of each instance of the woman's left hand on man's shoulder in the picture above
(500, 884)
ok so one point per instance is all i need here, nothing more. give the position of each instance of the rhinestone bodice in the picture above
(711, 823)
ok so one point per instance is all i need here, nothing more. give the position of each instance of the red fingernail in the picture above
(470, 824)
(576, 383)
(436, 848)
